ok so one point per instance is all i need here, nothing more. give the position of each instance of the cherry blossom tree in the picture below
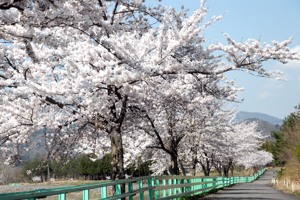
(209, 137)
(234, 144)
(68, 68)
(255, 159)
(83, 65)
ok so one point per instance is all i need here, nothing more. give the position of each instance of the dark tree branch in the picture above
(10, 64)
(161, 142)
(52, 101)
(11, 4)
(156, 133)
(104, 14)
(3, 77)
(114, 13)
(25, 73)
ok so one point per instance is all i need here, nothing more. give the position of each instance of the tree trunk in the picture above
(182, 168)
(232, 169)
(115, 133)
(117, 155)
(218, 168)
(206, 167)
(194, 167)
(206, 171)
(48, 171)
(225, 171)
(117, 151)
(226, 168)
(174, 168)
(219, 171)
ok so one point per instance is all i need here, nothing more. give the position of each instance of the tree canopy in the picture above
(102, 74)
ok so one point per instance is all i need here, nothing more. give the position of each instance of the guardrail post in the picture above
(198, 186)
(118, 190)
(164, 192)
(130, 188)
(140, 187)
(215, 182)
(179, 189)
(103, 192)
(192, 187)
(184, 181)
(221, 182)
(170, 190)
(195, 187)
(62, 197)
(174, 183)
(157, 193)
(151, 190)
(85, 195)
(188, 188)
(202, 185)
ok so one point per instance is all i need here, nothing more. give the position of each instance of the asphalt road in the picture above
(260, 189)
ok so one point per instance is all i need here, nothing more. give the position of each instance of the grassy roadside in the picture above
(20, 187)
(288, 188)
(286, 183)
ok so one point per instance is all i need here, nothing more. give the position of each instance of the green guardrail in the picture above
(148, 187)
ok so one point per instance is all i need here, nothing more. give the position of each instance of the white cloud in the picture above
(273, 84)
(263, 95)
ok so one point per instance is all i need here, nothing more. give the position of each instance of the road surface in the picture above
(260, 189)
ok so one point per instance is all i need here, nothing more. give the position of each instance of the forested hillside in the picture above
(286, 149)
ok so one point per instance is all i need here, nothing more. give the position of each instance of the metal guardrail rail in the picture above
(148, 187)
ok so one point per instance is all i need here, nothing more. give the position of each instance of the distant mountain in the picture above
(265, 128)
(265, 123)
(242, 116)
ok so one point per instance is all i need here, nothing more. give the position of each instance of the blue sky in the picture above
(266, 20)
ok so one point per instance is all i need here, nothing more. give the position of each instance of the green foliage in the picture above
(268, 146)
(298, 151)
(287, 138)
(83, 167)
(139, 168)
(278, 147)
(105, 165)
(34, 168)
